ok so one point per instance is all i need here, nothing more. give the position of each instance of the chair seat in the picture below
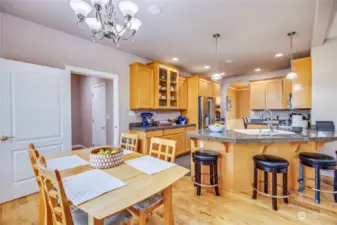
(149, 202)
(270, 161)
(205, 156)
(317, 158)
(81, 218)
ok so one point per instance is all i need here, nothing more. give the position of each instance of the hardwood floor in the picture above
(208, 209)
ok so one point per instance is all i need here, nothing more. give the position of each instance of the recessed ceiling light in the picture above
(229, 61)
(257, 69)
(222, 74)
(278, 55)
(154, 10)
(175, 59)
(207, 67)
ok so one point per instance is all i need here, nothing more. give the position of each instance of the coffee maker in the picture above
(147, 120)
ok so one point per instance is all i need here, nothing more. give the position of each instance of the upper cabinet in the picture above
(274, 94)
(141, 86)
(258, 95)
(301, 86)
(182, 93)
(154, 86)
(205, 87)
(216, 89)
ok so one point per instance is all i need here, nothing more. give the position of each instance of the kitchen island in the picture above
(236, 151)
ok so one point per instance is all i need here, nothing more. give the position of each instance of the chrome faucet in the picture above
(270, 123)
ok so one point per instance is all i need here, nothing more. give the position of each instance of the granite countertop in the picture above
(236, 137)
(154, 128)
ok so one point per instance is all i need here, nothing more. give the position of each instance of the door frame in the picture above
(115, 104)
(92, 129)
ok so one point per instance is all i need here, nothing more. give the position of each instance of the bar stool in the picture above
(275, 165)
(318, 161)
(206, 158)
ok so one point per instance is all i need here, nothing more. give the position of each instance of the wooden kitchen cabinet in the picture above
(301, 86)
(257, 95)
(180, 139)
(274, 94)
(216, 89)
(182, 93)
(177, 134)
(141, 86)
(205, 88)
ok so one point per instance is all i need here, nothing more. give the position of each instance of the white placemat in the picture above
(127, 152)
(89, 185)
(65, 163)
(149, 164)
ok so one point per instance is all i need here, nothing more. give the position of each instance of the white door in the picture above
(34, 108)
(98, 115)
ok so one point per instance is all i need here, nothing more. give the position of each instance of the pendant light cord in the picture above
(291, 52)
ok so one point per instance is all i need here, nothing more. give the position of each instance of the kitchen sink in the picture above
(263, 132)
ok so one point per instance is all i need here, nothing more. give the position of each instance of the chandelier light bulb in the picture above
(128, 8)
(93, 24)
(81, 8)
(135, 24)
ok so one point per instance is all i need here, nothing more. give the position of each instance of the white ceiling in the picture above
(252, 31)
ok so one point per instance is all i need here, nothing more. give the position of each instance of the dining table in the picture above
(139, 186)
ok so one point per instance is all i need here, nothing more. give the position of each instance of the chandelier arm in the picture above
(128, 37)
(109, 9)
(99, 18)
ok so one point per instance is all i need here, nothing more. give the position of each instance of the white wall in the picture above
(324, 81)
(245, 78)
(324, 87)
(25, 41)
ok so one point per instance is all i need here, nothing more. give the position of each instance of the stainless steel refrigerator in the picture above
(206, 111)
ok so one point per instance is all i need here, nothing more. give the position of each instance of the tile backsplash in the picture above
(157, 115)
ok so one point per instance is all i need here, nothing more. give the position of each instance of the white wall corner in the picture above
(1, 33)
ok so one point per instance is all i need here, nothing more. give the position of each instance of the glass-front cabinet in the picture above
(166, 87)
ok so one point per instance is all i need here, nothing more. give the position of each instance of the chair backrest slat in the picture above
(129, 141)
(54, 194)
(163, 149)
(34, 156)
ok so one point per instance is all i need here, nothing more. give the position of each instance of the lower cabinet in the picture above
(177, 134)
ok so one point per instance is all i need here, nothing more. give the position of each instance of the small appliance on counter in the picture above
(182, 120)
(147, 120)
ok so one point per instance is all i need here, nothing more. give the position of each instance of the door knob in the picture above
(103, 128)
(5, 138)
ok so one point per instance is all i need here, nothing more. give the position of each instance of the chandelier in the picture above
(106, 24)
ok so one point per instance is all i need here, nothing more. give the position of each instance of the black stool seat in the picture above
(205, 156)
(270, 161)
(317, 158)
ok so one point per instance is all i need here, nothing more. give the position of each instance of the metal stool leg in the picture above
(335, 185)
(274, 189)
(216, 179)
(266, 182)
(285, 186)
(317, 184)
(300, 180)
(255, 183)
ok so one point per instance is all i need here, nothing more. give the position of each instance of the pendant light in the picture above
(291, 75)
(217, 75)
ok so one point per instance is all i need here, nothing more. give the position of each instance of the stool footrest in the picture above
(269, 195)
(204, 185)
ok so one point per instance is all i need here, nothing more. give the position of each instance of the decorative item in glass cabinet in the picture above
(105, 23)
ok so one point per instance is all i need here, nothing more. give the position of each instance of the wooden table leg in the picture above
(168, 210)
(93, 221)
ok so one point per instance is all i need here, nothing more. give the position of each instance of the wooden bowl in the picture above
(106, 161)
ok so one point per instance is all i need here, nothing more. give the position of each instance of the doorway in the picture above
(91, 111)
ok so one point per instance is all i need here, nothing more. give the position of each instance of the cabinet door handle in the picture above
(5, 138)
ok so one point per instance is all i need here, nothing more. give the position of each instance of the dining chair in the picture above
(129, 141)
(33, 156)
(162, 149)
(59, 209)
